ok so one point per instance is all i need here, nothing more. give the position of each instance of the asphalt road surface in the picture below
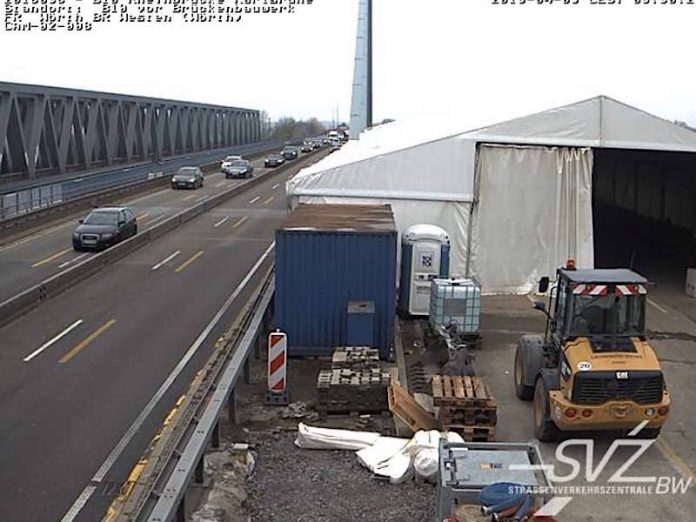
(79, 373)
(28, 261)
(671, 458)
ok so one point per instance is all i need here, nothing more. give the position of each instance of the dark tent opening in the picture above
(644, 218)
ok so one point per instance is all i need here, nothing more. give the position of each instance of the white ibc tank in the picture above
(424, 257)
(455, 301)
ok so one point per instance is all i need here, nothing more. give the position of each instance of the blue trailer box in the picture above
(328, 257)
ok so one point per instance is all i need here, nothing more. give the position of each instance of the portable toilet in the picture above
(425, 253)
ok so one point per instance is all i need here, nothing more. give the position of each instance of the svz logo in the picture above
(426, 260)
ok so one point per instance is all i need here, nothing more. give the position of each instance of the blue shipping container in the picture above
(327, 257)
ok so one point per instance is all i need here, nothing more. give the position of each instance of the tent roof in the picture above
(599, 122)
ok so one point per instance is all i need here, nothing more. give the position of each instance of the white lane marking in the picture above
(660, 308)
(221, 184)
(223, 220)
(79, 504)
(166, 260)
(73, 260)
(155, 220)
(50, 343)
(201, 199)
(142, 417)
(254, 200)
(276, 186)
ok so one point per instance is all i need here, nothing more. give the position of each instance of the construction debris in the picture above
(355, 358)
(348, 390)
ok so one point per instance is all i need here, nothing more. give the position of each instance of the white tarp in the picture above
(534, 212)
(429, 178)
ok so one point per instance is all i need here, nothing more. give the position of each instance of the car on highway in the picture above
(240, 168)
(290, 153)
(335, 147)
(317, 144)
(307, 146)
(273, 160)
(188, 177)
(104, 227)
(229, 159)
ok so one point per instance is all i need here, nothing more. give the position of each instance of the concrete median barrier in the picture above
(14, 307)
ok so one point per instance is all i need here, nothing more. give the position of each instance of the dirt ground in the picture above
(293, 484)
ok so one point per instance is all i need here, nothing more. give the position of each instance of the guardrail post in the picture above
(232, 406)
(247, 371)
(199, 471)
(215, 439)
(181, 511)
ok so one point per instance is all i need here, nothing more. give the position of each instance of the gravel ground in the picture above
(291, 484)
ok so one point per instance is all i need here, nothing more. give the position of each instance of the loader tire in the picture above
(529, 360)
(544, 428)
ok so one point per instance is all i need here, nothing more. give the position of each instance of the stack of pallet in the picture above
(355, 358)
(466, 407)
(358, 389)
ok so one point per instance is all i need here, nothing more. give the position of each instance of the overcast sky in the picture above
(457, 59)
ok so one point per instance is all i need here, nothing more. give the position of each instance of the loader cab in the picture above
(605, 305)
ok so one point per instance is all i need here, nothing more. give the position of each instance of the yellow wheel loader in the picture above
(593, 369)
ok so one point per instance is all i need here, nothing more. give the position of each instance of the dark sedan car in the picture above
(104, 227)
(238, 169)
(273, 160)
(290, 153)
(187, 177)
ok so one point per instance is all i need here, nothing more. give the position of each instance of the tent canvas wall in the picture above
(515, 197)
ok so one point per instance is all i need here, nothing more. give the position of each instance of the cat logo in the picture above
(622, 376)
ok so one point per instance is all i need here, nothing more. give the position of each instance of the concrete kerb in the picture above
(54, 285)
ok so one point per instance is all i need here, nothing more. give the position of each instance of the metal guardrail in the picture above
(159, 481)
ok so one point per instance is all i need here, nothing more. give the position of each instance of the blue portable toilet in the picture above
(425, 255)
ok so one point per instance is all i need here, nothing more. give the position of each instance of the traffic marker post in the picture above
(277, 392)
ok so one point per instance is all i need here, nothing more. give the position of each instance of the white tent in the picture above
(515, 197)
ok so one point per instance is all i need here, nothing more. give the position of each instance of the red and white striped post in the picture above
(277, 392)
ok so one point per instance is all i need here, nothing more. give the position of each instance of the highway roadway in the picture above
(28, 261)
(87, 378)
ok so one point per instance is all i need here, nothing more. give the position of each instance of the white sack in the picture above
(309, 437)
(374, 457)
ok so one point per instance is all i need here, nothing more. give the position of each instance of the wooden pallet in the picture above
(466, 392)
(474, 433)
(405, 407)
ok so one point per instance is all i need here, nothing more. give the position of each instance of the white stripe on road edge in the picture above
(254, 200)
(660, 308)
(276, 186)
(71, 261)
(79, 504)
(221, 221)
(81, 501)
(53, 341)
(201, 199)
(166, 260)
(156, 220)
(221, 184)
